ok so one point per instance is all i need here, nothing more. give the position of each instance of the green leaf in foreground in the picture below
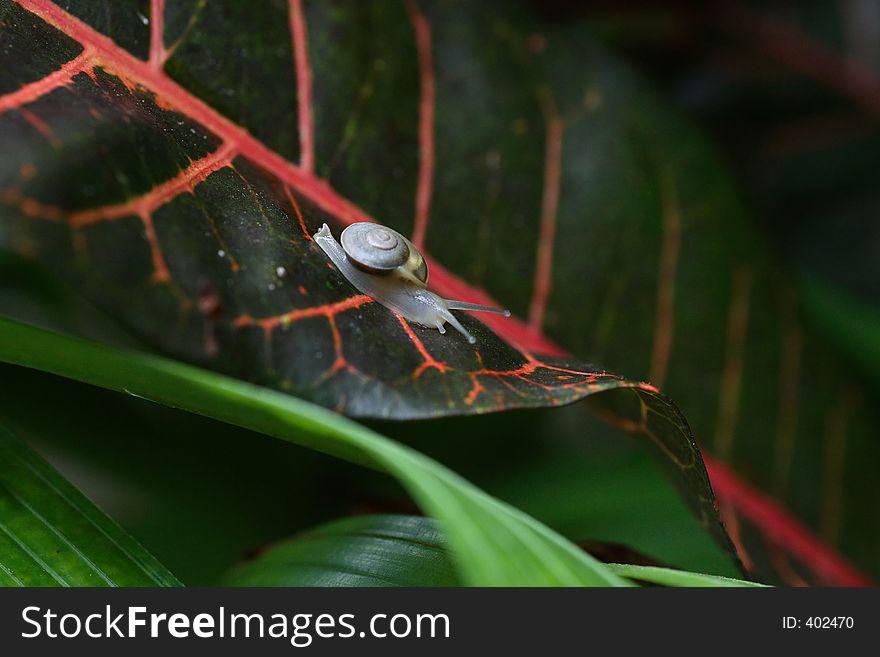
(494, 544)
(672, 577)
(374, 550)
(51, 535)
(396, 550)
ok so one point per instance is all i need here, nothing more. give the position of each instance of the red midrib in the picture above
(169, 94)
(751, 503)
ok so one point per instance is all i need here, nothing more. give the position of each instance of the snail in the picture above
(384, 265)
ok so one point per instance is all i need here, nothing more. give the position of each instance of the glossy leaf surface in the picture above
(51, 535)
(211, 229)
(494, 543)
(359, 551)
(395, 550)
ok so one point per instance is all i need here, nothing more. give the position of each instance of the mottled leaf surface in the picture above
(197, 237)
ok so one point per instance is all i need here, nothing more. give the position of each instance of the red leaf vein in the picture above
(299, 37)
(425, 183)
(32, 91)
(543, 278)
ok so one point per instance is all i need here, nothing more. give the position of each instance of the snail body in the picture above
(384, 265)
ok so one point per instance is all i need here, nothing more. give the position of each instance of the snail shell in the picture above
(393, 273)
(380, 250)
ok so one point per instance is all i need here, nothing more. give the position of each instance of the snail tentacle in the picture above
(466, 305)
(449, 317)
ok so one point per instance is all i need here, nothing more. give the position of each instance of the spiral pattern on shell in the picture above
(374, 247)
(381, 250)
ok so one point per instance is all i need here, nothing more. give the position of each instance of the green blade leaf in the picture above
(672, 577)
(51, 535)
(494, 543)
(395, 550)
(374, 550)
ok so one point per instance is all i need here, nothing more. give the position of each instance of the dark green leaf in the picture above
(494, 543)
(359, 551)
(803, 137)
(381, 550)
(609, 492)
(51, 535)
(107, 148)
(852, 322)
